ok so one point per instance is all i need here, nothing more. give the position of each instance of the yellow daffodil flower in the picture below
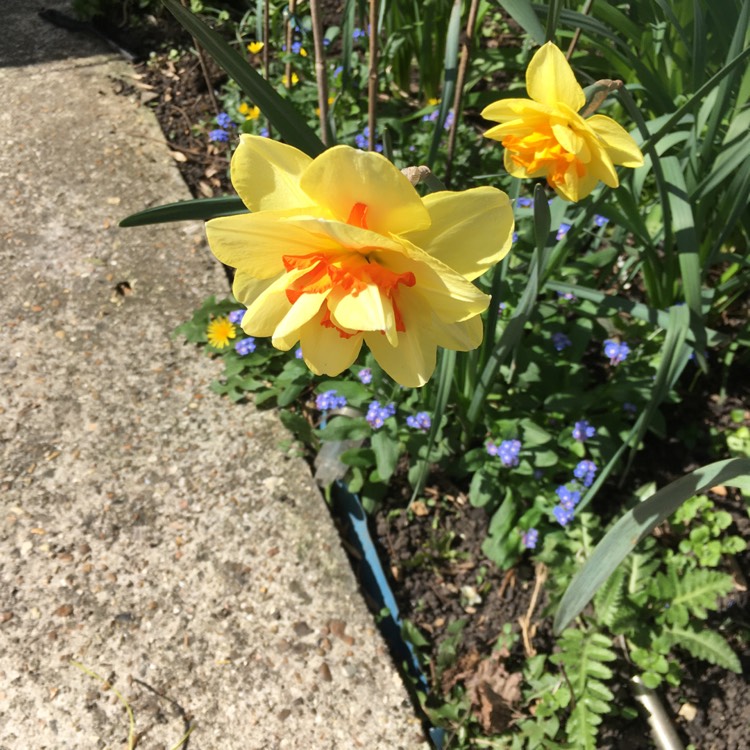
(546, 136)
(341, 250)
(254, 47)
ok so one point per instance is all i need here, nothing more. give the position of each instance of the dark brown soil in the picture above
(438, 571)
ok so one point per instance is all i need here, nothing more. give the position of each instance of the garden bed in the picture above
(433, 551)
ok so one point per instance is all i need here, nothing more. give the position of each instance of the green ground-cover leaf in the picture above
(621, 539)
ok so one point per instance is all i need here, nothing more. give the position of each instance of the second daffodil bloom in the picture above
(342, 250)
(546, 136)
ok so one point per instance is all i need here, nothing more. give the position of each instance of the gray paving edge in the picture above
(149, 530)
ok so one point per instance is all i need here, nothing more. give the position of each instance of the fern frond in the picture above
(584, 657)
(705, 644)
(641, 566)
(608, 600)
(582, 727)
(693, 593)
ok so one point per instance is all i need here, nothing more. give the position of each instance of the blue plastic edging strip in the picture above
(373, 579)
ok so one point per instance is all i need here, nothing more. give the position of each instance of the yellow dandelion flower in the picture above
(545, 136)
(254, 47)
(341, 251)
(219, 332)
(250, 112)
(432, 101)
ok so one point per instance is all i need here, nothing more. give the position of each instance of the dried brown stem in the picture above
(460, 81)
(289, 33)
(320, 71)
(527, 631)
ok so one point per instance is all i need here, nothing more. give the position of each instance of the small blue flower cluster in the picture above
(365, 376)
(560, 341)
(236, 316)
(298, 353)
(569, 296)
(562, 231)
(420, 421)
(362, 140)
(359, 34)
(525, 203)
(616, 351)
(530, 538)
(585, 471)
(600, 221)
(433, 116)
(377, 414)
(582, 430)
(221, 134)
(245, 346)
(570, 495)
(329, 400)
(508, 451)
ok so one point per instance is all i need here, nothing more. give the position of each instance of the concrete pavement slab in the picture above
(149, 531)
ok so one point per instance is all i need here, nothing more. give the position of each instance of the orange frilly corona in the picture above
(546, 136)
(341, 250)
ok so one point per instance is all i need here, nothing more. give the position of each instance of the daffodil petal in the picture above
(505, 110)
(342, 178)
(336, 234)
(266, 174)
(368, 310)
(325, 350)
(470, 231)
(568, 139)
(307, 306)
(269, 308)
(620, 146)
(462, 337)
(550, 79)
(411, 363)
(437, 286)
(247, 288)
(257, 243)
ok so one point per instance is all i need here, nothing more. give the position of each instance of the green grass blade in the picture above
(281, 113)
(696, 98)
(723, 102)
(553, 18)
(452, 42)
(638, 522)
(445, 382)
(347, 28)
(513, 331)
(202, 209)
(683, 225)
(522, 12)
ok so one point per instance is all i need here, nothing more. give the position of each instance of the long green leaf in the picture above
(452, 42)
(683, 225)
(202, 209)
(522, 12)
(622, 538)
(282, 114)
